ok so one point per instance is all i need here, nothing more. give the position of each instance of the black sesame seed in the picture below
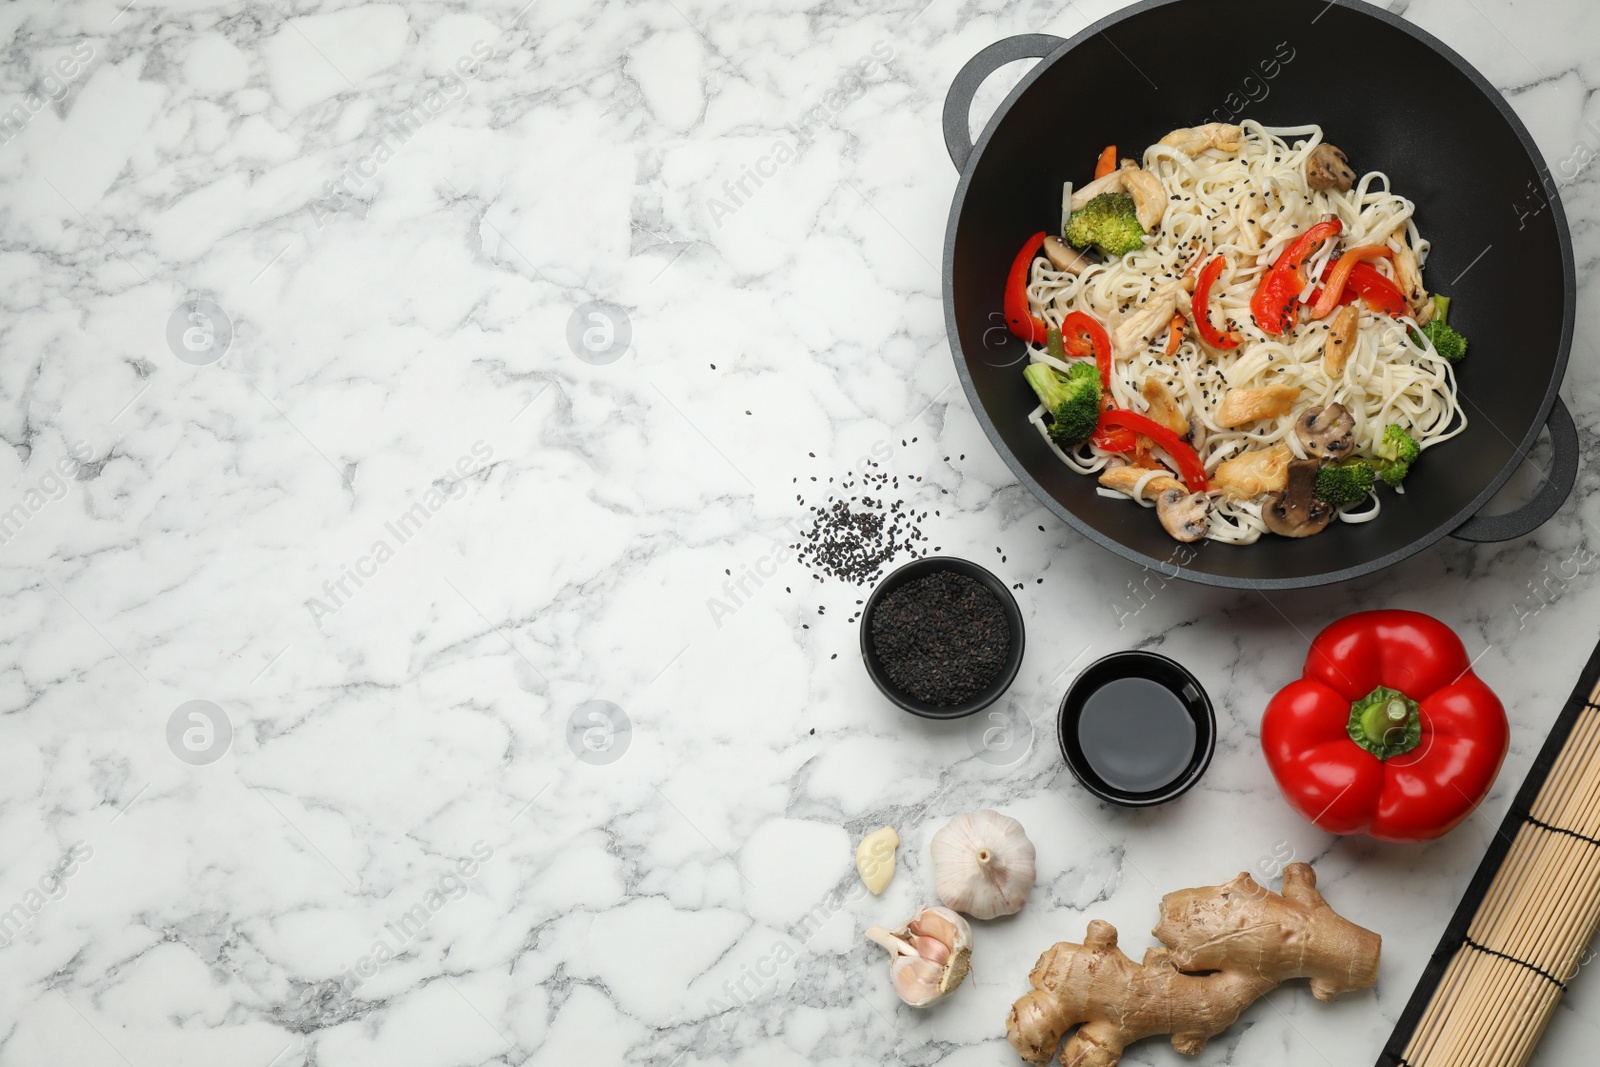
(941, 639)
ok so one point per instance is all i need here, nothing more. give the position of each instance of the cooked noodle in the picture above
(1249, 206)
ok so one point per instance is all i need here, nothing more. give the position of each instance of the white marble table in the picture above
(396, 533)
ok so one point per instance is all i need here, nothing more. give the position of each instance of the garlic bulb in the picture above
(929, 956)
(983, 864)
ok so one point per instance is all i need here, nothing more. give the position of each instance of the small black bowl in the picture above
(1170, 675)
(921, 569)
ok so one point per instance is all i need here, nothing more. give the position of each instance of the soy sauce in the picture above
(1136, 734)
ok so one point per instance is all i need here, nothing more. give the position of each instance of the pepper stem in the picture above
(1386, 723)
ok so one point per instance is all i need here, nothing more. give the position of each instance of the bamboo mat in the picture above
(1520, 933)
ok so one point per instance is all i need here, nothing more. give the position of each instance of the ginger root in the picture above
(1242, 938)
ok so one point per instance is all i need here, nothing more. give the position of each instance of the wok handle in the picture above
(958, 101)
(1557, 487)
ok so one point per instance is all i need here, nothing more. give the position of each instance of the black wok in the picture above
(1396, 100)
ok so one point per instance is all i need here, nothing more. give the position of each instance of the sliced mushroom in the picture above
(1186, 516)
(1240, 406)
(1296, 512)
(1339, 343)
(1196, 139)
(1063, 256)
(1149, 196)
(1326, 432)
(1126, 479)
(1329, 168)
(1111, 183)
(1164, 407)
(1251, 473)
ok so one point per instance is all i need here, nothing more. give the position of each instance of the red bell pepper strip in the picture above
(1202, 314)
(1388, 733)
(1295, 256)
(1108, 439)
(1106, 163)
(1278, 295)
(1190, 469)
(1377, 291)
(1084, 336)
(1022, 321)
(1372, 288)
(1334, 281)
(1273, 306)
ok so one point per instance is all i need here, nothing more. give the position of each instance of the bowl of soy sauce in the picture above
(1137, 729)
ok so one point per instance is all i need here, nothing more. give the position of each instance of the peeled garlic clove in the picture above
(983, 864)
(931, 955)
(875, 858)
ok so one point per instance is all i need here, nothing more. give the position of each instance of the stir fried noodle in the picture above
(1248, 206)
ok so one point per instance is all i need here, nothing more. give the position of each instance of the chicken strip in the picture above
(1196, 139)
(1339, 343)
(1149, 197)
(1408, 273)
(1124, 479)
(1249, 474)
(1164, 407)
(1154, 315)
(1115, 182)
(1240, 406)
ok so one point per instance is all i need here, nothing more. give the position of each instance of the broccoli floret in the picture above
(1110, 222)
(1344, 483)
(1397, 446)
(1073, 400)
(1446, 341)
(1396, 451)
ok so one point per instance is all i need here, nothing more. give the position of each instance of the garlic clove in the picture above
(932, 923)
(917, 981)
(931, 955)
(984, 864)
(875, 858)
(931, 949)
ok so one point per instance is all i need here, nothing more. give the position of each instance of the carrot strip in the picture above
(1175, 333)
(1107, 163)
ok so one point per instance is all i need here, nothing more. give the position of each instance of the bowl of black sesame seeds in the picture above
(941, 637)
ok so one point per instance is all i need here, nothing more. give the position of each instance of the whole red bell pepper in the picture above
(1019, 316)
(1388, 733)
